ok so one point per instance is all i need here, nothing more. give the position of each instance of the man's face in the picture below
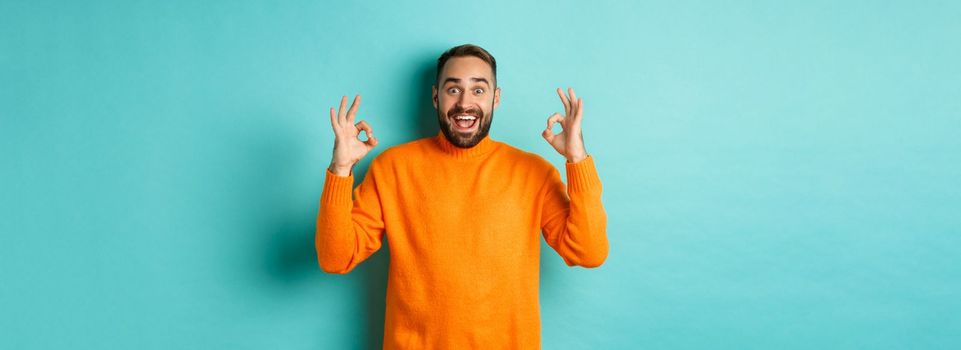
(466, 90)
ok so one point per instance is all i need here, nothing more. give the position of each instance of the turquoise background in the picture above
(777, 176)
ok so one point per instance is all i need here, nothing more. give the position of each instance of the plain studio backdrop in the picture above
(776, 176)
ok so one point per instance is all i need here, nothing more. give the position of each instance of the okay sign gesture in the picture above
(348, 148)
(570, 142)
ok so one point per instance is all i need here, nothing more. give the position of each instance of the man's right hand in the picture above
(348, 148)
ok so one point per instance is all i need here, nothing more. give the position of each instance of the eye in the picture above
(453, 90)
(478, 91)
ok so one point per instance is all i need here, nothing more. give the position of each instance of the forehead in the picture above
(466, 67)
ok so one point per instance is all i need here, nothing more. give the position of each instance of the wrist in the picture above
(576, 158)
(340, 170)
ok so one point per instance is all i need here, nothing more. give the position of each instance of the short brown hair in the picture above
(467, 50)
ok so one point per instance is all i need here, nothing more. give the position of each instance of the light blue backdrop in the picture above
(776, 176)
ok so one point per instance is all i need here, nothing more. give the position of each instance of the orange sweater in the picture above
(463, 226)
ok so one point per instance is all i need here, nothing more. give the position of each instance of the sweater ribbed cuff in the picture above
(337, 189)
(582, 176)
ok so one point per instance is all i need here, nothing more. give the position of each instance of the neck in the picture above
(481, 148)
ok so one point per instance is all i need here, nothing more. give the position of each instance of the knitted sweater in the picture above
(463, 226)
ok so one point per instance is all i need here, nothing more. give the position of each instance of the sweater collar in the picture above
(481, 148)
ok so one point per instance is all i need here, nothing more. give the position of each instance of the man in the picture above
(463, 215)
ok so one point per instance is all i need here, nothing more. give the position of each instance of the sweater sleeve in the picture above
(573, 219)
(349, 230)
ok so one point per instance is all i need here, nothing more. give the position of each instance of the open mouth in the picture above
(465, 122)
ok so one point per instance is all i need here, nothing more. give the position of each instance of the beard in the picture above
(465, 140)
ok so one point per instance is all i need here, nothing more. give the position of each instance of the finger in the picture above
(548, 135)
(371, 142)
(362, 125)
(567, 104)
(554, 118)
(342, 111)
(353, 109)
(574, 101)
(333, 120)
(577, 110)
(580, 108)
(575, 124)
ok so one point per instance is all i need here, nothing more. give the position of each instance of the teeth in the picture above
(465, 117)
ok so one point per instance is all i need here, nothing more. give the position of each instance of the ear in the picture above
(497, 97)
(434, 95)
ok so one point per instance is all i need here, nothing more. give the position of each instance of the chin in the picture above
(459, 138)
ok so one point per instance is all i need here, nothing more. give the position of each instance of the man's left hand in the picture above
(569, 142)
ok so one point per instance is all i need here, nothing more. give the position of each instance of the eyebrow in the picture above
(457, 80)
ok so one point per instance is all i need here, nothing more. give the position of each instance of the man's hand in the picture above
(570, 142)
(348, 148)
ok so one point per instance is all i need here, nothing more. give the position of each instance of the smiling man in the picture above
(463, 215)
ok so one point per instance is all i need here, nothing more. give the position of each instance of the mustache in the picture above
(458, 110)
